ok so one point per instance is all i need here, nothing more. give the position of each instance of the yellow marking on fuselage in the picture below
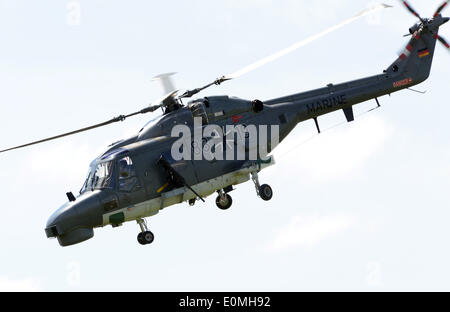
(162, 187)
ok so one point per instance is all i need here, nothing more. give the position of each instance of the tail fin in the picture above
(415, 61)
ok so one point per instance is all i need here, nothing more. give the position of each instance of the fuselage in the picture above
(129, 182)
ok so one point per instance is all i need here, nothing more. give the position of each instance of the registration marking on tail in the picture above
(403, 82)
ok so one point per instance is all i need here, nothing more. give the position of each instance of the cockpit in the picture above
(114, 171)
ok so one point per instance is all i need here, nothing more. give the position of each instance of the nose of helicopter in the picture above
(74, 222)
(445, 20)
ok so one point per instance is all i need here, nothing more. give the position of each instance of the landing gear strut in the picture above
(145, 237)
(223, 201)
(264, 191)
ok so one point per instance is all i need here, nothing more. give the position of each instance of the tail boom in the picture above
(411, 68)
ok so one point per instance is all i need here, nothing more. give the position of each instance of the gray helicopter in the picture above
(138, 177)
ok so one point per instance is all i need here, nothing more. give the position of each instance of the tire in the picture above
(145, 238)
(266, 193)
(140, 238)
(148, 237)
(225, 204)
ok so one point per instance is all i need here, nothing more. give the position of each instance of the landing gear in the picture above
(264, 191)
(145, 237)
(224, 201)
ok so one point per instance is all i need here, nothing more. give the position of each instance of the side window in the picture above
(198, 110)
(128, 181)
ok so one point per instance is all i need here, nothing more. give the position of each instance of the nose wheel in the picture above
(224, 201)
(145, 237)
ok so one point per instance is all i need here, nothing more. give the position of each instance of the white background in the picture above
(364, 206)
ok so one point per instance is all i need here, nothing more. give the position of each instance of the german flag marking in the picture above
(423, 53)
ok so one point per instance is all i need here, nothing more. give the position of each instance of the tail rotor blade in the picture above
(410, 9)
(442, 7)
(444, 42)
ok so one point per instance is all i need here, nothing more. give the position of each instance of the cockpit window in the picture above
(100, 177)
(86, 182)
(127, 176)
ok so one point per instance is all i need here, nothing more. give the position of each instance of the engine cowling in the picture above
(223, 107)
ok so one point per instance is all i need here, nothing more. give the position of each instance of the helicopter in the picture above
(138, 177)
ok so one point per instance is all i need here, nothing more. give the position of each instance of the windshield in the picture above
(99, 177)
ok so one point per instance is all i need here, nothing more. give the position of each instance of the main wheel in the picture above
(145, 238)
(265, 191)
(224, 203)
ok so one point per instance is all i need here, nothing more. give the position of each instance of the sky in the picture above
(362, 207)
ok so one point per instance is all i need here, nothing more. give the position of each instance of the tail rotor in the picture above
(437, 20)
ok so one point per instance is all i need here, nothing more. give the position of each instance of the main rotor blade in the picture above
(116, 119)
(286, 51)
(303, 43)
(410, 9)
(166, 82)
(159, 103)
(442, 7)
